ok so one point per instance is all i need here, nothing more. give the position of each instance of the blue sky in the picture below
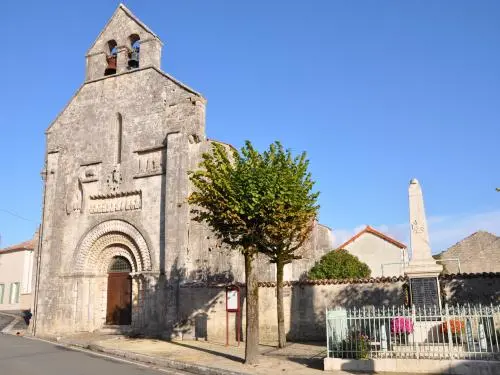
(376, 92)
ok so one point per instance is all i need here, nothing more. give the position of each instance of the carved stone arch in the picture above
(109, 253)
(108, 239)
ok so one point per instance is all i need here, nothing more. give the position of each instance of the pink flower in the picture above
(401, 324)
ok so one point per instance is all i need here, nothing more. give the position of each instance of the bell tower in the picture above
(123, 45)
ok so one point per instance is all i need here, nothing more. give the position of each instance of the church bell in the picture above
(133, 59)
(111, 68)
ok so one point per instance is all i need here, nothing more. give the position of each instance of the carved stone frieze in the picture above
(90, 172)
(114, 202)
(150, 162)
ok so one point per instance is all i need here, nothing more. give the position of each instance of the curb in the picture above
(164, 362)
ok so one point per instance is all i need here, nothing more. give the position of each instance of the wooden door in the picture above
(119, 311)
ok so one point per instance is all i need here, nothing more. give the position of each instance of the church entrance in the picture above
(119, 309)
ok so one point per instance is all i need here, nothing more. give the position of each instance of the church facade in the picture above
(117, 239)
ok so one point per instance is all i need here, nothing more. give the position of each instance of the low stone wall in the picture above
(476, 288)
(202, 311)
(202, 314)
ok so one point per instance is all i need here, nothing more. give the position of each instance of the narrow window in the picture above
(120, 135)
(2, 290)
(119, 264)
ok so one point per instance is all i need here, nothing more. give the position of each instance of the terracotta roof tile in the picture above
(272, 284)
(375, 232)
(26, 245)
(371, 280)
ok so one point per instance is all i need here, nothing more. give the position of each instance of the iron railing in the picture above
(453, 332)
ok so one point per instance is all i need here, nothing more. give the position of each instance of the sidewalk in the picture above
(204, 357)
(12, 321)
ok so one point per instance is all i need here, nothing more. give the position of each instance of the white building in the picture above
(384, 255)
(16, 276)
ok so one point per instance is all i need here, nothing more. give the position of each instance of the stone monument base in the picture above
(423, 269)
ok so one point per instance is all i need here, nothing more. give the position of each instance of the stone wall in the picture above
(477, 253)
(482, 288)
(202, 308)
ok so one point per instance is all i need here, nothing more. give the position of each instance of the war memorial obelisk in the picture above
(422, 270)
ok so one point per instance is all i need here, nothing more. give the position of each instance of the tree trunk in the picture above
(279, 303)
(252, 313)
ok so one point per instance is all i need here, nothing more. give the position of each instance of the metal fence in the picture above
(451, 332)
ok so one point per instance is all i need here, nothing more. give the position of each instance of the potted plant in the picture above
(401, 327)
(455, 326)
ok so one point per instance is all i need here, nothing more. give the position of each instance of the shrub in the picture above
(401, 325)
(339, 264)
(356, 346)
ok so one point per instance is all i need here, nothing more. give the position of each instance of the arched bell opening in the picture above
(133, 57)
(111, 58)
(119, 301)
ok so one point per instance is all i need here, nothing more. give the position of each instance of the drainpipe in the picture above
(39, 251)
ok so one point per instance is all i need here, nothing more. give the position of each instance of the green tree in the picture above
(256, 203)
(290, 209)
(339, 264)
(229, 196)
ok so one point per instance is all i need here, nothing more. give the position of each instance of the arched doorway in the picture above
(104, 297)
(119, 306)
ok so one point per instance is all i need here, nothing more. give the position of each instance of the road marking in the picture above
(116, 358)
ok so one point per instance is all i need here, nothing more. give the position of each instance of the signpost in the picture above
(233, 305)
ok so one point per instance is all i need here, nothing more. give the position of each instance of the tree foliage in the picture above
(339, 264)
(228, 197)
(290, 204)
(256, 202)
(291, 209)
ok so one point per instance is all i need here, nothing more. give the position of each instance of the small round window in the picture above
(119, 264)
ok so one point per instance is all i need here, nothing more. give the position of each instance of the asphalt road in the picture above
(23, 356)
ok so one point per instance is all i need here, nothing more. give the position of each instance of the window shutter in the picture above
(18, 290)
(11, 294)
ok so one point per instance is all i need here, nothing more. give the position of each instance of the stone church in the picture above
(117, 240)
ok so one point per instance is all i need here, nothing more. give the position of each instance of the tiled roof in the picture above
(26, 245)
(371, 280)
(375, 232)
(272, 284)
(469, 275)
(479, 252)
